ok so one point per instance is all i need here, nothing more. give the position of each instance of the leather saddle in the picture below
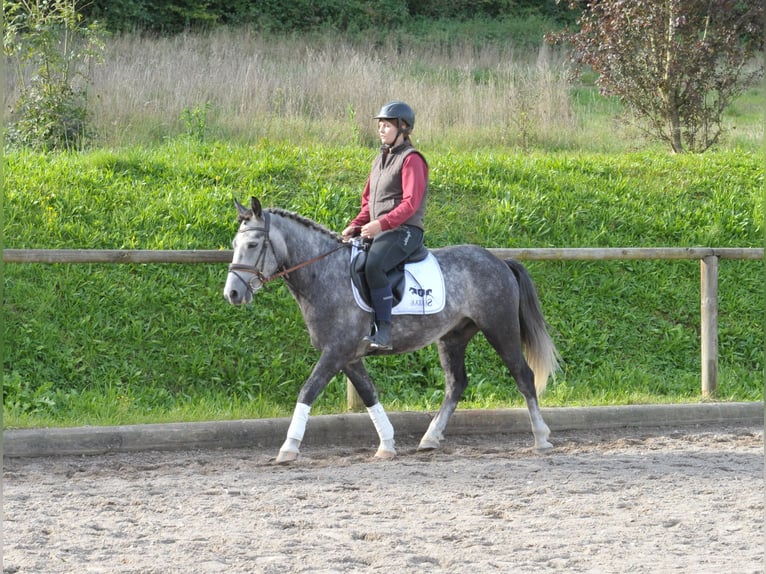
(395, 276)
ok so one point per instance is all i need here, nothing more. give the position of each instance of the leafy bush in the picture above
(50, 116)
(676, 65)
(51, 38)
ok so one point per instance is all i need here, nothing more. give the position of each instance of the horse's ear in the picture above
(255, 205)
(243, 213)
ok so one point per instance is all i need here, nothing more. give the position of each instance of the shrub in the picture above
(52, 50)
(677, 65)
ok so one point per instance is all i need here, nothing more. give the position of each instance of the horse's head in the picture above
(254, 259)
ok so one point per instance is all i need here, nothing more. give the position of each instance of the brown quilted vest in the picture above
(386, 184)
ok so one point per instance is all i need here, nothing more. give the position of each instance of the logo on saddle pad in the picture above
(418, 288)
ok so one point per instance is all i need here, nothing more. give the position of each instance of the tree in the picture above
(52, 49)
(676, 64)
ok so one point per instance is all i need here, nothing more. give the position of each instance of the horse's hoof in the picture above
(286, 457)
(543, 449)
(426, 445)
(385, 454)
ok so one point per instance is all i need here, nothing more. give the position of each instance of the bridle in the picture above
(261, 259)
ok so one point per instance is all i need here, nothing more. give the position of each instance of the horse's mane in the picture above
(305, 221)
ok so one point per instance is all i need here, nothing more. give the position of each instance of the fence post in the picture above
(353, 399)
(709, 324)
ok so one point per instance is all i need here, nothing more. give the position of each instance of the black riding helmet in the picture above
(400, 112)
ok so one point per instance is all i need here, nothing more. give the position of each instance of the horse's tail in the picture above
(540, 351)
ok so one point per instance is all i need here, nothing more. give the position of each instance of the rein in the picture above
(263, 279)
(234, 267)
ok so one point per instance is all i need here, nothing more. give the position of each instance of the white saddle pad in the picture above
(423, 289)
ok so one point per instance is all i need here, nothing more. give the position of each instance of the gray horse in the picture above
(483, 293)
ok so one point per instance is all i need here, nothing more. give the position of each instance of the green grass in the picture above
(116, 344)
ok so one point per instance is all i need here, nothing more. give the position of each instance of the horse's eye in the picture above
(252, 245)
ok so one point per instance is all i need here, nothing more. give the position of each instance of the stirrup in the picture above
(380, 339)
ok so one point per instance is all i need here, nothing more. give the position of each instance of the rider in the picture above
(393, 207)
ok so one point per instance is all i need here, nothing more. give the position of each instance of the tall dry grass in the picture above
(245, 86)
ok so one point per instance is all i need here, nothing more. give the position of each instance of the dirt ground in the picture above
(620, 501)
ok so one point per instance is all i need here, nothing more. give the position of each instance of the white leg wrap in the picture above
(298, 423)
(382, 424)
(291, 447)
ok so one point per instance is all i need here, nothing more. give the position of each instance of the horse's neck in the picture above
(303, 243)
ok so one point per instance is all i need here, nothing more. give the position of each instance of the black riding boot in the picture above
(382, 301)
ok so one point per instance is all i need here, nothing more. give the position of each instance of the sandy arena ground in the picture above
(619, 501)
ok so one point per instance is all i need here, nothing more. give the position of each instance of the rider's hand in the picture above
(370, 230)
(350, 231)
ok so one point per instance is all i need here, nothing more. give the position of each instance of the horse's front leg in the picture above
(291, 448)
(320, 376)
(364, 386)
(324, 370)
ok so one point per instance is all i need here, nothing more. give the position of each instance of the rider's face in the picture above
(387, 132)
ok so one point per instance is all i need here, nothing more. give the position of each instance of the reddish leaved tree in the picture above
(676, 64)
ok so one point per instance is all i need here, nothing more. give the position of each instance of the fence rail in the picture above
(529, 254)
(707, 256)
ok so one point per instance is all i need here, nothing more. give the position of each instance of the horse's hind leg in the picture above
(364, 386)
(509, 348)
(452, 356)
(540, 430)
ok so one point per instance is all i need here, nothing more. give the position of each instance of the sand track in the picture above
(617, 501)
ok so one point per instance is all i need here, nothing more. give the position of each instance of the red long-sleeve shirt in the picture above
(414, 178)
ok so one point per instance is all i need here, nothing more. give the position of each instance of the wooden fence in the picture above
(707, 256)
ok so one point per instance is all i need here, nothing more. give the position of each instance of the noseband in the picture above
(256, 269)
